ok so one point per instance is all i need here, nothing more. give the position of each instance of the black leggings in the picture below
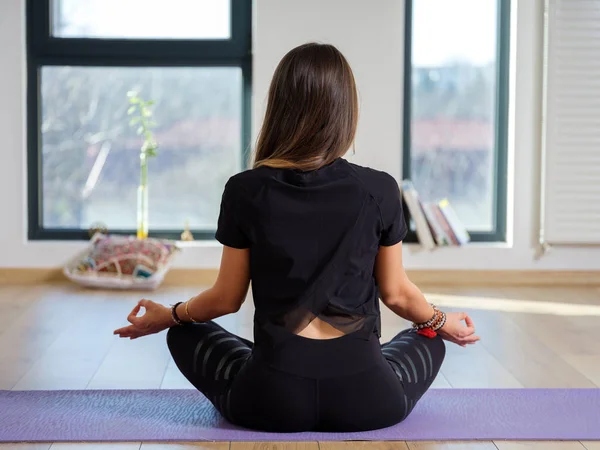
(341, 384)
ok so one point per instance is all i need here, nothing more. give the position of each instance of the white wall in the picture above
(371, 36)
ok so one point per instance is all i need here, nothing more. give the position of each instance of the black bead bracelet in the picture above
(174, 315)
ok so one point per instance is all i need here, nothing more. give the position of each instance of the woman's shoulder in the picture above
(247, 179)
(377, 182)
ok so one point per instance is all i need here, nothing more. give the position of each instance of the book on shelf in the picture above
(411, 197)
(438, 230)
(441, 219)
(436, 223)
(460, 231)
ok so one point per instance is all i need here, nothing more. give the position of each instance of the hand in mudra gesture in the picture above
(458, 332)
(156, 318)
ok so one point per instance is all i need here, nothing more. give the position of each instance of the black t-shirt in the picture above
(313, 238)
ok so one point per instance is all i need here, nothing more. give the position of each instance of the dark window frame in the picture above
(500, 182)
(44, 49)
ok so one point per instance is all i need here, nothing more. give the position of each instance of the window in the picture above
(185, 19)
(191, 57)
(455, 103)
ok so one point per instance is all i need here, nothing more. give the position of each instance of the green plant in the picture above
(141, 116)
(141, 113)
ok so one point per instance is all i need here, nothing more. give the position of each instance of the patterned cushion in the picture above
(122, 262)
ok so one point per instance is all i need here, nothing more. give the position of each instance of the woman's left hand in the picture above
(156, 319)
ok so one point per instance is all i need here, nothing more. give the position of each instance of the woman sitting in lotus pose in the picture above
(321, 241)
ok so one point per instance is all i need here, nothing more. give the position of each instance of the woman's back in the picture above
(313, 238)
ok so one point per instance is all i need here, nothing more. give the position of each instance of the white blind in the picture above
(571, 161)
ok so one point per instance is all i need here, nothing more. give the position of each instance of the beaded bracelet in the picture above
(430, 322)
(438, 319)
(174, 315)
(441, 323)
(429, 329)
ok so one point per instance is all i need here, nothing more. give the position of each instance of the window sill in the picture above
(477, 247)
(201, 243)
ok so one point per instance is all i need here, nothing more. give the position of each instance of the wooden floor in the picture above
(531, 337)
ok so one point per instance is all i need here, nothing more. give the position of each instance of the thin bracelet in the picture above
(187, 311)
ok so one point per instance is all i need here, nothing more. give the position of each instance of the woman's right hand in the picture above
(458, 332)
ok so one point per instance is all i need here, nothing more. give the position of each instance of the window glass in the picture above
(142, 19)
(90, 153)
(453, 105)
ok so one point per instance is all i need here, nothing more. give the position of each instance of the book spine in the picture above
(452, 240)
(436, 229)
(457, 227)
(411, 198)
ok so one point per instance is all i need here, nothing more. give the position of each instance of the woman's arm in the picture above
(227, 294)
(397, 292)
(400, 295)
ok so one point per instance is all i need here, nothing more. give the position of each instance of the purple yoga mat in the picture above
(185, 415)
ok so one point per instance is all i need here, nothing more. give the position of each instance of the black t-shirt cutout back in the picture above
(313, 238)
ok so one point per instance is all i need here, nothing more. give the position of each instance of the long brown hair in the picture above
(312, 110)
